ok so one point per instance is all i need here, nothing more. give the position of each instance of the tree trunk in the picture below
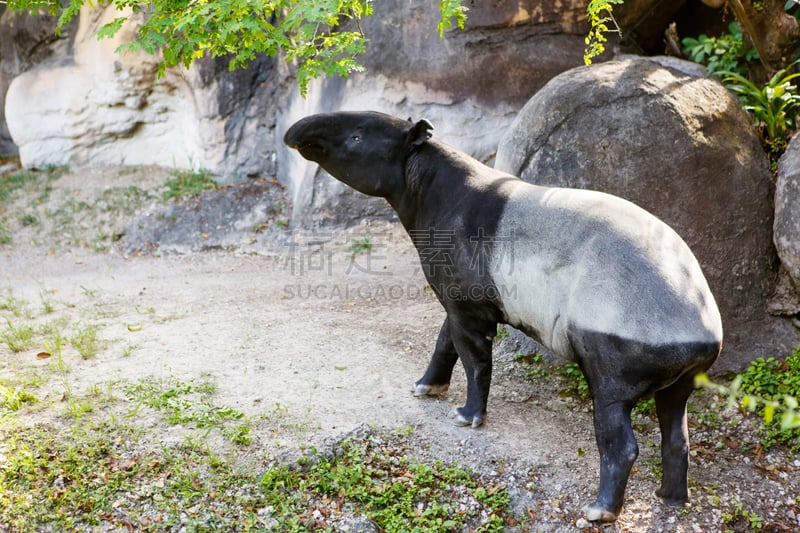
(772, 31)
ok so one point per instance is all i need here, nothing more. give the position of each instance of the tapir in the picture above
(593, 277)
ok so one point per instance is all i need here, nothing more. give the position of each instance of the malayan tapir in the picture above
(591, 276)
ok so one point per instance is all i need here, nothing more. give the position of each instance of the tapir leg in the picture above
(618, 451)
(473, 342)
(671, 410)
(436, 380)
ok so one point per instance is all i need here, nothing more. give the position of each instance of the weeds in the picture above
(739, 516)
(86, 341)
(359, 247)
(775, 380)
(17, 307)
(394, 492)
(13, 398)
(12, 182)
(17, 338)
(189, 403)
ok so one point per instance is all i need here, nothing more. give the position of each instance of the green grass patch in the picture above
(12, 182)
(13, 398)
(187, 183)
(86, 341)
(17, 338)
(101, 475)
(395, 492)
(359, 247)
(190, 403)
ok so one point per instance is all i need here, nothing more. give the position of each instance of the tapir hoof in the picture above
(673, 498)
(420, 389)
(460, 420)
(597, 513)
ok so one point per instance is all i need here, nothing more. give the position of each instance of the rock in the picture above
(786, 228)
(660, 133)
(231, 217)
(25, 40)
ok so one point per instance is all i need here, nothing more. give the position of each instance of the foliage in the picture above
(322, 36)
(600, 14)
(773, 387)
(726, 53)
(308, 31)
(86, 341)
(451, 10)
(774, 105)
(99, 474)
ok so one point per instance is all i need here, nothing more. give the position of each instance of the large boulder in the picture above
(89, 105)
(25, 40)
(662, 134)
(787, 210)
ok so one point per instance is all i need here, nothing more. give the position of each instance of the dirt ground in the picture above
(335, 340)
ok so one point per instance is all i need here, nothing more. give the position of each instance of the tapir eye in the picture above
(357, 138)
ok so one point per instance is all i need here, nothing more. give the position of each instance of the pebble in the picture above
(582, 523)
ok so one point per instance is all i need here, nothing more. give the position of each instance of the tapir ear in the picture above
(420, 133)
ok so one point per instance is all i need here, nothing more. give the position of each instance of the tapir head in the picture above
(367, 151)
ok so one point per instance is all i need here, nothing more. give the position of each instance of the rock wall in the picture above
(469, 85)
(87, 105)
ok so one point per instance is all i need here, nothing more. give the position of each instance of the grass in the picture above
(86, 341)
(187, 183)
(65, 219)
(394, 492)
(17, 338)
(90, 465)
(189, 403)
(100, 470)
(359, 247)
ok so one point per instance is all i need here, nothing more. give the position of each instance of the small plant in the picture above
(17, 338)
(12, 398)
(774, 105)
(359, 246)
(501, 334)
(739, 514)
(578, 384)
(532, 364)
(726, 53)
(17, 307)
(86, 342)
(187, 183)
